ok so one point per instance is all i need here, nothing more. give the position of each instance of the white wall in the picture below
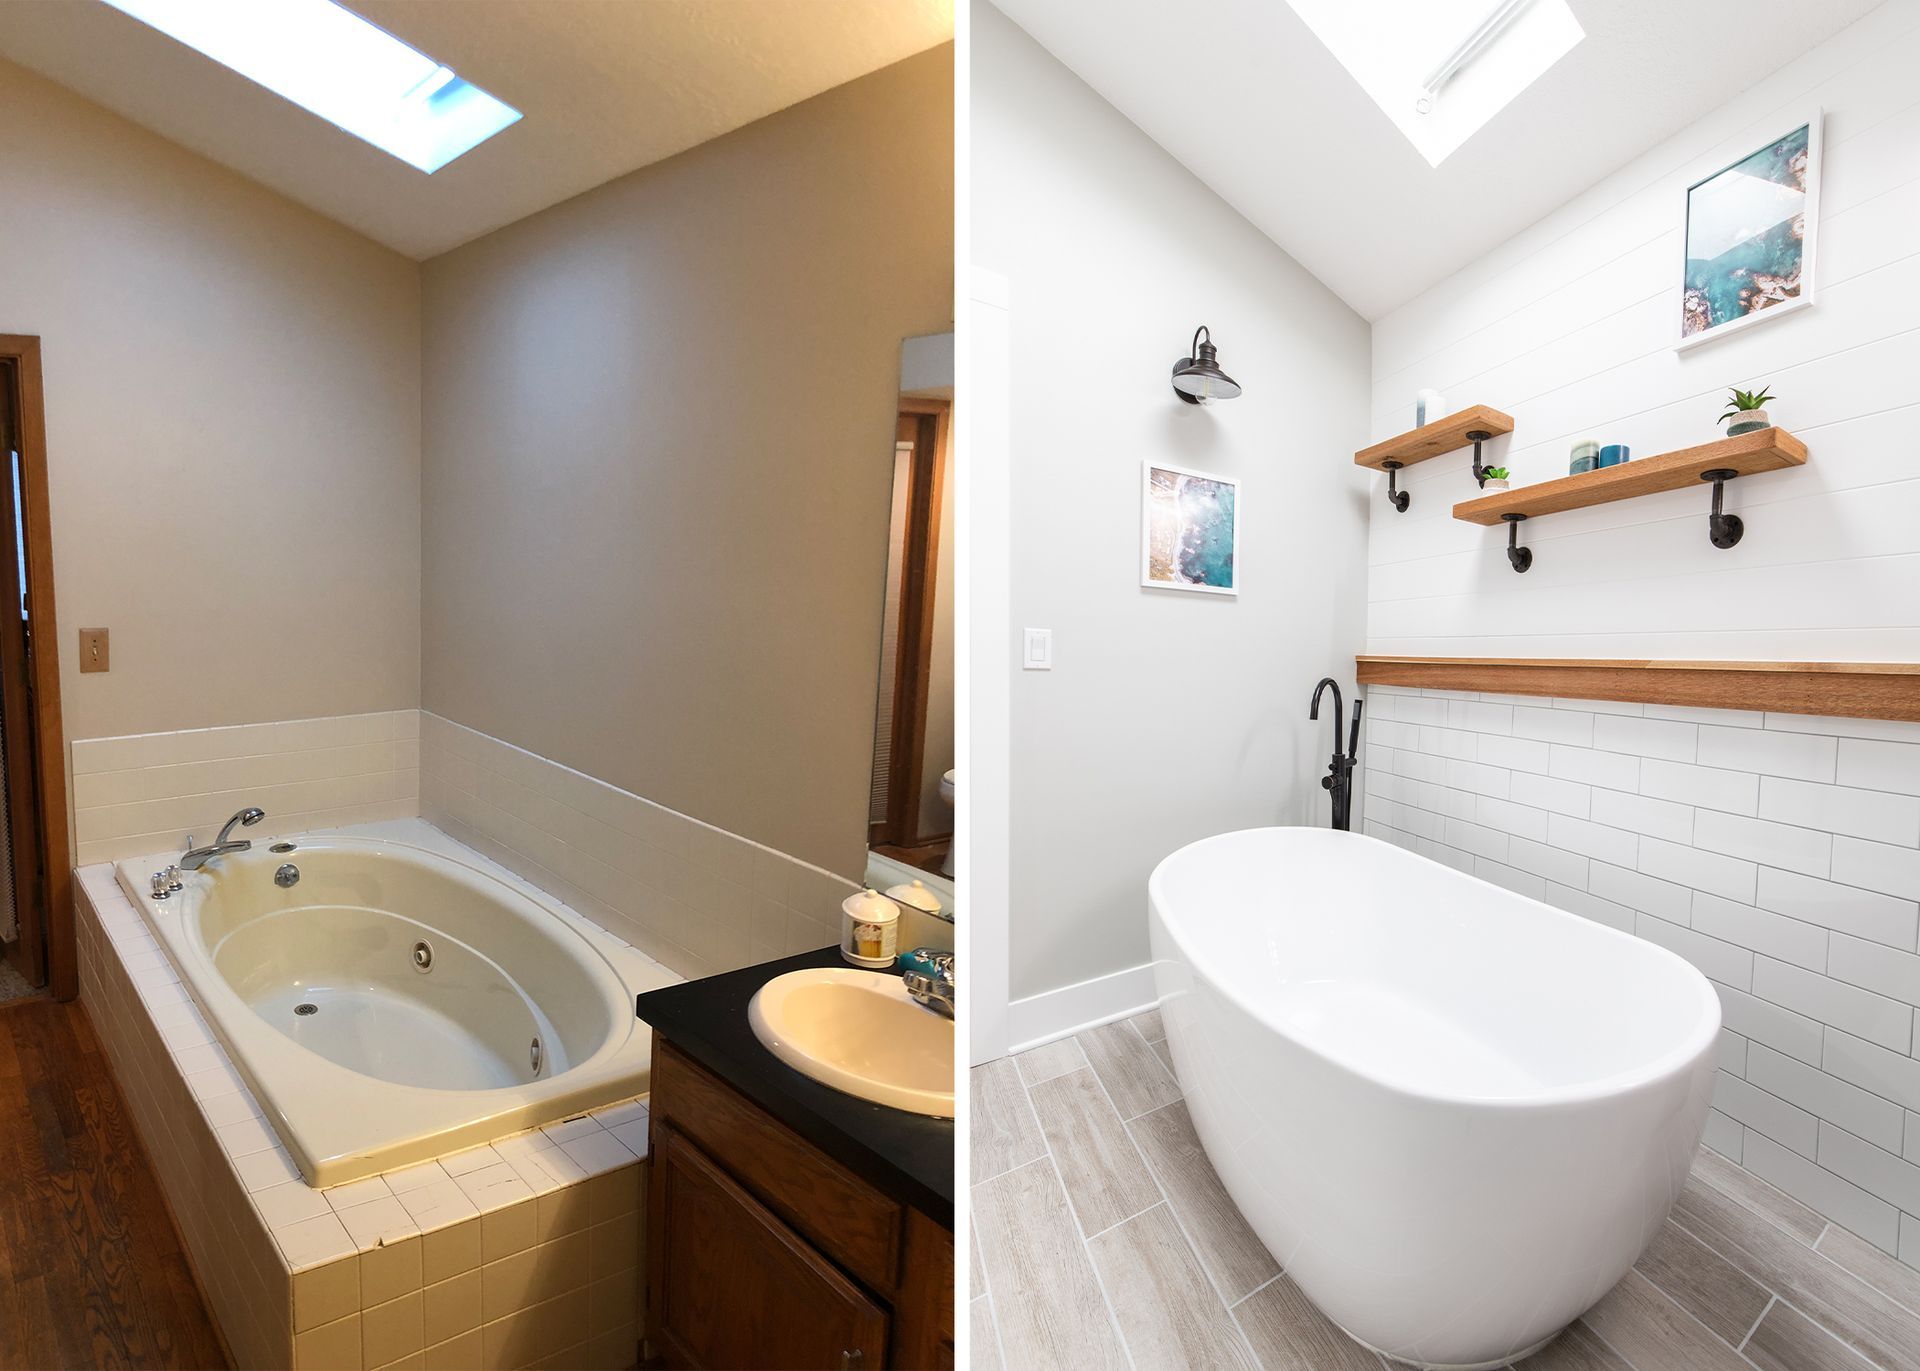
(1168, 715)
(1779, 853)
(1568, 327)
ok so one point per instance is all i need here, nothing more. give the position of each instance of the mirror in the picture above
(910, 811)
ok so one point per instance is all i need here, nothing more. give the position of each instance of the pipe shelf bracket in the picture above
(1399, 499)
(1723, 530)
(1521, 557)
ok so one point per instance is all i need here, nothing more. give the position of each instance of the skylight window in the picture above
(330, 61)
(1440, 69)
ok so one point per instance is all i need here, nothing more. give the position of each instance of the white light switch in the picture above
(1039, 653)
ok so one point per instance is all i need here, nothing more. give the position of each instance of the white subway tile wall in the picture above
(522, 1252)
(148, 791)
(694, 897)
(1779, 853)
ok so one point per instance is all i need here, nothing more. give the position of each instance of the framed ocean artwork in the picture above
(1189, 530)
(1749, 235)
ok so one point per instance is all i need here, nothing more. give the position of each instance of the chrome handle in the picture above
(852, 1357)
(160, 891)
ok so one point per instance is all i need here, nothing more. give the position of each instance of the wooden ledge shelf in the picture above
(1720, 461)
(1435, 439)
(1768, 450)
(1854, 690)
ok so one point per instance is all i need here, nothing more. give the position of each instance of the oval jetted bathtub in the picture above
(1455, 1115)
(398, 1001)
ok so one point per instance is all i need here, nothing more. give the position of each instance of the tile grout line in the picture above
(986, 1282)
(1173, 1210)
(1688, 1315)
(1256, 1289)
(1060, 1177)
(1594, 1333)
(993, 1318)
(1743, 1268)
(1822, 1328)
(1772, 1300)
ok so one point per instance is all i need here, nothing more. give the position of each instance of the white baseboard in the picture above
(1043, 1018)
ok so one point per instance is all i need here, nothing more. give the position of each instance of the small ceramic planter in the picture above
(1750, 421)
(1495, 483)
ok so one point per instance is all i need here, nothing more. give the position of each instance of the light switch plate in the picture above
(93, 649)
(1038, 655)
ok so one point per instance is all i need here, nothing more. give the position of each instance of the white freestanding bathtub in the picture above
(398, 1000)
(1455, 1115)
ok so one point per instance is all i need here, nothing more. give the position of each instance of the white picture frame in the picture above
(1161, 520)
(1812, 121)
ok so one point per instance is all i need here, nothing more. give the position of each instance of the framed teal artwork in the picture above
(1749, 235)
(1189, 529)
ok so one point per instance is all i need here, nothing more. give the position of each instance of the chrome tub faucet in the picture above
(196, 857)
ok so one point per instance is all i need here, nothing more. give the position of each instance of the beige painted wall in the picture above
(233, 427)
(657, 420)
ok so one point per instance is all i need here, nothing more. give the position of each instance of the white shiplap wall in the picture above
(1569, 326)
(1778, 853)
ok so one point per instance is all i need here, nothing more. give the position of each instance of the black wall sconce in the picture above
(1198, 379)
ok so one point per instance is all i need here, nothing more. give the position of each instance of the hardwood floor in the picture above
(1102, 1237)
(91, 1271)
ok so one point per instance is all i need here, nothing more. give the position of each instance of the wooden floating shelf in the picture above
(1435, 439)
(1855, 690)
(1767, 450)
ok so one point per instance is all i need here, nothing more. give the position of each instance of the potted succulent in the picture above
(1496, 479)
(1747, 409)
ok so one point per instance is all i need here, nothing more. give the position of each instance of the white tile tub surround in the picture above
(694, 897)
(1780, 853)
(146, 792)
(522, 1252)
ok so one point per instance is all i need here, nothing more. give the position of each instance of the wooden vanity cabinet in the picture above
(765, 1253)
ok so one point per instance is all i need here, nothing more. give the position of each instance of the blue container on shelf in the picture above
(1585, 456)
(1613, 454)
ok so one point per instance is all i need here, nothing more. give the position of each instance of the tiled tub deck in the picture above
(522, 1253)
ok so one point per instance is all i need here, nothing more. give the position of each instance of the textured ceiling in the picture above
(606, 86)
(1252, 104)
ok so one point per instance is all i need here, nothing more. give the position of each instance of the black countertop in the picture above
(907, 1156)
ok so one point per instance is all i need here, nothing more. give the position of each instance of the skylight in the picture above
(1440, 69)
(330, 61)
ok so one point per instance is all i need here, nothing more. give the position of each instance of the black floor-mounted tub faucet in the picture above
(1339, 777)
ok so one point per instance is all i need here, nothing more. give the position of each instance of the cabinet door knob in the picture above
(852, 1357)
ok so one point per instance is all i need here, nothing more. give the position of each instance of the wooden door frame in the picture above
(920, 551)
(49, 766)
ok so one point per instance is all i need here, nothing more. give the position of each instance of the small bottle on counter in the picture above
(870, 935)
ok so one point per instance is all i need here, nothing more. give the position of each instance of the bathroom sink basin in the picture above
(860, 1032)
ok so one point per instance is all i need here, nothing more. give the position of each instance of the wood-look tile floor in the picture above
(91, 1272)
(1102, 1238)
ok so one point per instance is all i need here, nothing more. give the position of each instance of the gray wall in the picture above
(1169, 715)
(659, 439)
